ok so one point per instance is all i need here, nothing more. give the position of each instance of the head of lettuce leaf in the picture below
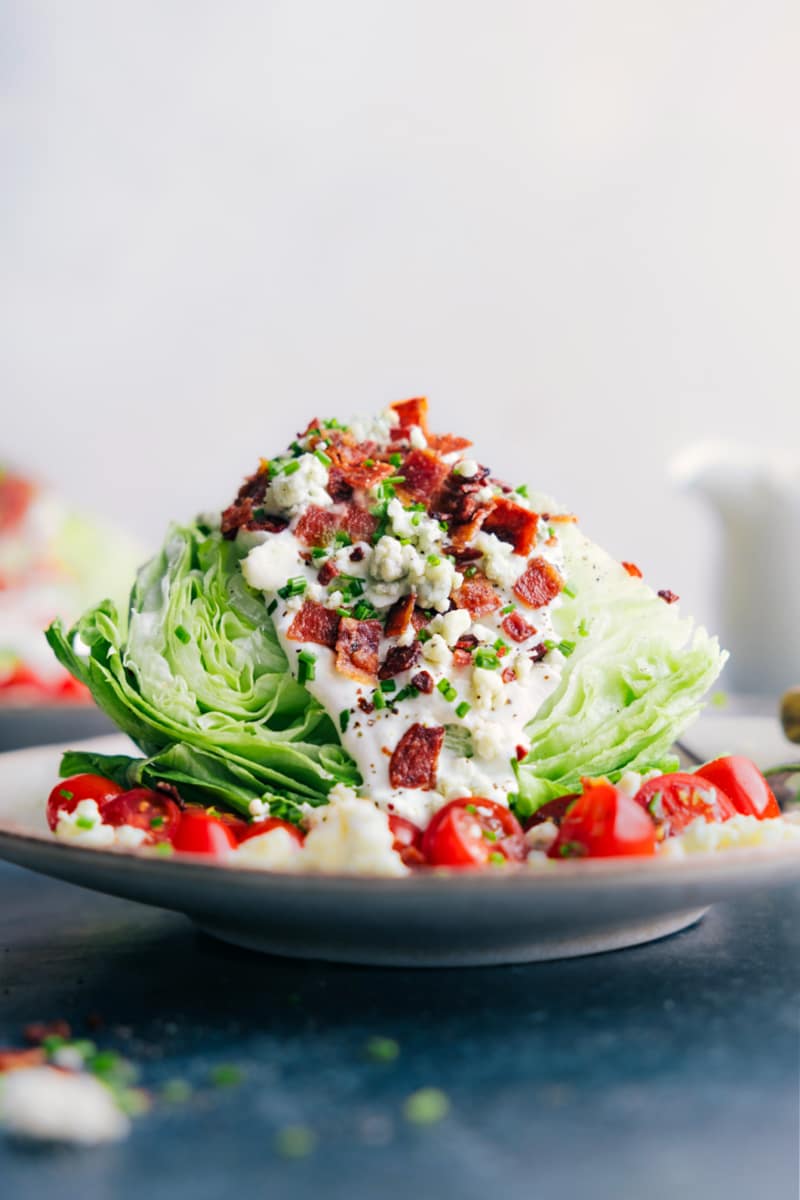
(195, 675)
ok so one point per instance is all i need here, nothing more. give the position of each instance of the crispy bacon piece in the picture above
(312, 424)
(317, 526)
(538, 584)
(537, 653)
(560, 518)
(463, 533)
(15, 1060)
(508, 675)
(246, 511)
(423, 682)
(477, 595)
(357, 648)
(314, 623)
(400, 658)
(447, 443)
(423, 473)
(338, 487)
(516, 627)
(356, 463)
(632, 569)
(399, 615)
(416, 756)
(668, 597)
(512, 523)
(459, 500)
(411, 412)
(327, 572)
(359, 523)
(463, 556)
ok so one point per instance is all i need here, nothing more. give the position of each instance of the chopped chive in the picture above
(470, 571)
(293, 587)
(583, 628)
(470, 808)
(344, 612)
(463, 708)
(395, 479)
(500, 644)
(382, 1049)
(486, 658)
(306, 666)
(66, 793)
(388, 685)
(569, 591)
(344, 719)
(549, 644)
(319, 552)
(424, 635)
(433, 560)
(273, 604)
(182, 634)
(378, 699)
(85, 823)
(395, 459)
(156, 822)
(415, 520)
(550, 531)
(522, 490)
(409, 692)
(509, 608)
(323, 458)
(369, 462)
(342, 538)
(451, 694)
(443, 685)
(497, 858)
(566, 647)
(164, 849)
(296, 449)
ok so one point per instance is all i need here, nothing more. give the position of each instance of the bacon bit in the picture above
(516, 627)
(477, 595)
(411, 412)
(508, 675)
(249, 498)
(15, 1060)
(463, 533)
(423, 682)
(312, 424)
(314, 623)
(560, 518)
(538, 584)
(632, 569)
(424, 473)
(502, 651)
(447, 443)
(537, 653)
(365, 705)
(668, 597)
(416, 756)
(327, 572)
(461, 658)
(338, 488)
(420, 618)
(459, 499)
(317, 526)
(400, 658)
(469, 554)
(357, 649)
(357, 475)
(400, 615)
(357, 554)
(520, 752)
(512, 523)
(359, 523)
(37, 1031)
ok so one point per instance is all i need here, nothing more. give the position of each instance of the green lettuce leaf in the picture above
(633, 683)
(196, 677)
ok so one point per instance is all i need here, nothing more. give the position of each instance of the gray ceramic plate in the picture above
(446, 919)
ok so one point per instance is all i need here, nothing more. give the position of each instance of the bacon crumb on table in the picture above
(668, 597)
(416, 757)
(632, 569)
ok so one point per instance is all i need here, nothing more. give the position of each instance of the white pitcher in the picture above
(756, 496)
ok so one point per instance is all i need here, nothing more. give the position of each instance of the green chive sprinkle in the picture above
(378, 699)
(569, 591)
(344, 719)
(323, 458)
(271, 607)
(291, 467)
(388, 685)
(382, 1049)
(395, 459)
(433, 560)
(182, 634)
(85, 823)
(424, 635)
(293, 587)
(66, 793)
(522, 490)
(463, 709)
(443, 685)
(509, 608)
(306, 666)
(583, 628)
(486, 658)
(426, 1107)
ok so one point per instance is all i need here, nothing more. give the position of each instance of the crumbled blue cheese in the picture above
(451, 625)
(275, 850)
(488, 689)
(436, 652)
(703, 837)
(500, 564)
(467, 468)
(289, 494)
(394, 569)
(44, 1104)
(417, 438)
(84, 825)
(351, 836)
(374, 429)
(270, 564)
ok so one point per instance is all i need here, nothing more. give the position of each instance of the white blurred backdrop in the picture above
(573, 225)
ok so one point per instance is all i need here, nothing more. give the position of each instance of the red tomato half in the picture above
(674, 801)
(743, 784)
(152, 811)
(259, 827)
(69, 792)
(603, 823)
(199, 833)
(469, 832)
(407, 841)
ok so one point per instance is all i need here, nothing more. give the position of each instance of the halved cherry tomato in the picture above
(152, 811)
(469, 831)
(744, 785)
(407, 841)
(603, 823)
(68, 793)
(259, 827)
(674, 801)
(200, 833)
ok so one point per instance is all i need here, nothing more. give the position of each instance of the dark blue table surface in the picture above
(668, 1070)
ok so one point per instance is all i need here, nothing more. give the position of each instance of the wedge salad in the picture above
(379, 658)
